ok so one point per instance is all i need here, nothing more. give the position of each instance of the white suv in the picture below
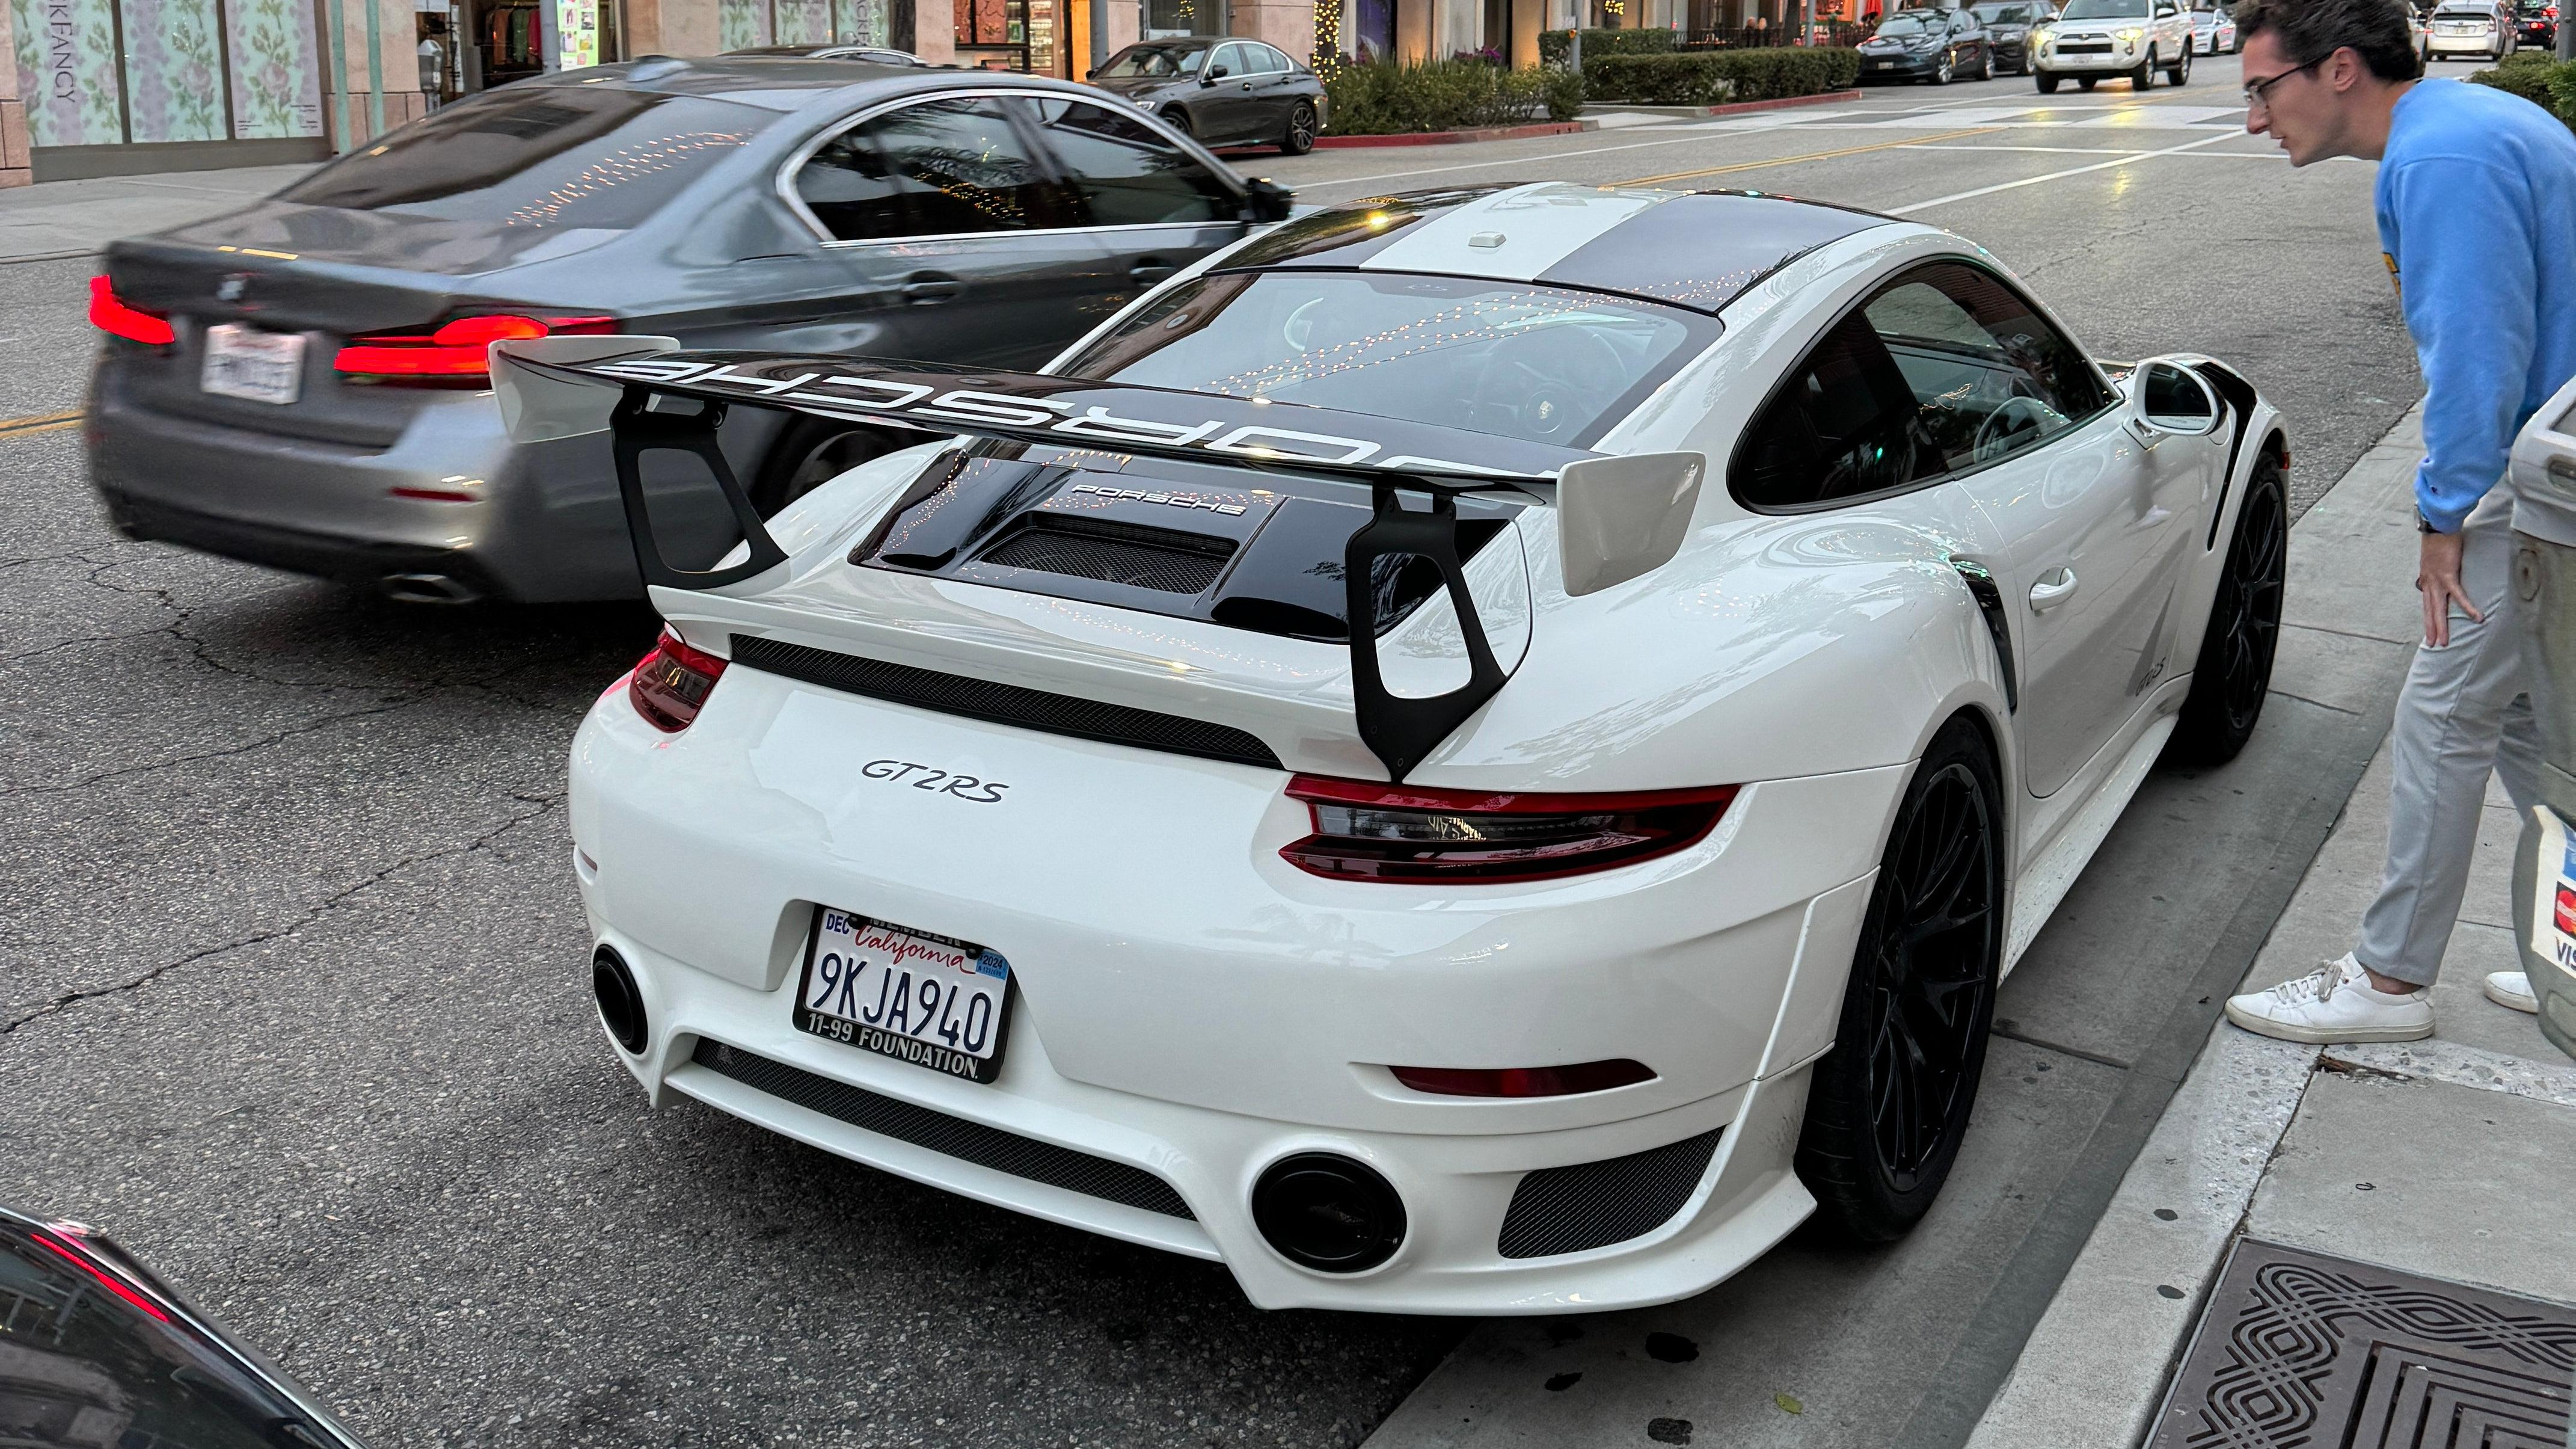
(2093, 40)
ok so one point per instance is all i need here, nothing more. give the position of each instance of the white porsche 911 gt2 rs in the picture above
(1480, 752)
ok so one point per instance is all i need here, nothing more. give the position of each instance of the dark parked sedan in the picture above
(2008, 25)
(1224, 92)
(1927, 45)
(303, 384)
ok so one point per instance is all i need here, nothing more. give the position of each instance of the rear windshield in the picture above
(1151, 62)
(539, 156)
(1546, 364)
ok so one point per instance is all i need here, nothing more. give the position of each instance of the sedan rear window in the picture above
(539, 156)
(1547, 364)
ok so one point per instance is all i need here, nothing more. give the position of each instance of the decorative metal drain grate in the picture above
(2297, 1349)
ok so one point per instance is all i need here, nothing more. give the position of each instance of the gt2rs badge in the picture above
(938, 782)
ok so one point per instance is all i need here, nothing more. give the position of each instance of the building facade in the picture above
(121, 87)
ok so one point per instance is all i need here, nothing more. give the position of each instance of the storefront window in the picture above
(863, 21)
(1165, 19)
(169, 81)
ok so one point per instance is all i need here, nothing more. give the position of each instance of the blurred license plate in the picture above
(930, 1000)
(1884, 64)
(244, 362)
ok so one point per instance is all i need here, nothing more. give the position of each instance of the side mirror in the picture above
(1214, 74)
(1620, 517)
(2169, 398)
(1267, 200)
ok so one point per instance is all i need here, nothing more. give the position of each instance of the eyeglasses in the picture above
(2259, 92)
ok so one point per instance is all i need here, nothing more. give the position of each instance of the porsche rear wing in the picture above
(1619, 515)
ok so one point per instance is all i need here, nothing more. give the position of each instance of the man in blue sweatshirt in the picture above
(2476, 206)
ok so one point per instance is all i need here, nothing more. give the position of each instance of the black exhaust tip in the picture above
(1328, 1213)
(621, 1002)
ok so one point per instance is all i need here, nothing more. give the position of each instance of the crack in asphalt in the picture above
(545, 805)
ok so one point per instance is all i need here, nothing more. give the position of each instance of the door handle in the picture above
(1247, 85)
(1151, 270)
(925, 289)
(2054, 588)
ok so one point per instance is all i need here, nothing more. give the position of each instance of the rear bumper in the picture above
(1190, 1007)
(537, 523)
(2466, 44)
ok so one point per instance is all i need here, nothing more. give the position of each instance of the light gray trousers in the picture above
(2463, 713)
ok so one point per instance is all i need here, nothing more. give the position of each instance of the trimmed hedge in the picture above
(1710, 78)
(2537, 77)
(1552, 44)
(1387, 99)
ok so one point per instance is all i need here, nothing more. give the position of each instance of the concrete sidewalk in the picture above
(79, 218)
(2453, 1158)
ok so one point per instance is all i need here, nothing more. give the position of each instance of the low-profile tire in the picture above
(1888, 1106)
(2180, 74)
(1941, 73)
(1179, 120)
(2144, 77)
(2048, 85)
(809, 454)
(2234, 672)
(1301, 130)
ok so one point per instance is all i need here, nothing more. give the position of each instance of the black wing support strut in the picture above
(636, 431)
(1400, 731)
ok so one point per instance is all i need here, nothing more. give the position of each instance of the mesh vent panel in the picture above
(1145, 558)
(1033, 709)
(1595, 1204)
(967, 1141)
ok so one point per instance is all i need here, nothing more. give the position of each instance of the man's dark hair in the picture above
(2311, 30)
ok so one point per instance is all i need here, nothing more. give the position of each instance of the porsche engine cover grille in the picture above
(1010, 704)
(1163, 559)
(1595, 1204)
(966, 1141)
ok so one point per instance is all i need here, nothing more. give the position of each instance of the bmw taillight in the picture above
(1524, 1081)
(1402, 833)
(109, 313)
(455, 352)
(670, 684)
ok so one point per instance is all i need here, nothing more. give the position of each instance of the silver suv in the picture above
(2094, 40)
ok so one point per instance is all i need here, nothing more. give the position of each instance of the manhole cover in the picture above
(2299, 1349)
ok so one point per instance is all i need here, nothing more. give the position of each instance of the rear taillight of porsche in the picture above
(456, 352)
(670, 685)
(1406, 834)
(111, 314)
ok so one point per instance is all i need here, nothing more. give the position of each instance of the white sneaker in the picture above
(2512, 988)
(2334, 1003)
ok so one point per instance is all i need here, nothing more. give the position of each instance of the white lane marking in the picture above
(2107, 151)
(2059, 175)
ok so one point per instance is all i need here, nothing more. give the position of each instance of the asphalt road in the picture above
(291, 986)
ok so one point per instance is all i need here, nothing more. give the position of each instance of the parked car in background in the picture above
(2213, 28)
(2098, 40)
(2536, 23)
(1923, 44)
(96, 1352)
(1222, 92)
(2008, 26)
(302, 383)
(872, 54)
(2484, 29)
(2419, 25)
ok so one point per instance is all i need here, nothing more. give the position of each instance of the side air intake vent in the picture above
(1162, 559)
(1595, 1204)
(1010, 704)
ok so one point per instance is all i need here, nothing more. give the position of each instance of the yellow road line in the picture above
(40, 423)
(1809, 156)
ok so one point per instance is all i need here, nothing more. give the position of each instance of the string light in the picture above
(1327, 59)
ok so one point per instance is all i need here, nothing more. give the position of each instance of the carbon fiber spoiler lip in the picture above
(1391, 455)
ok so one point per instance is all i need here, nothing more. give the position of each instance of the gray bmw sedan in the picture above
(302, 384)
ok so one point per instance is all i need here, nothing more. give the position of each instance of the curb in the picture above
(1737, 108)
(1453, 138)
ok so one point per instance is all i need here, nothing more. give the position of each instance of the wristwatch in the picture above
(2423, 524)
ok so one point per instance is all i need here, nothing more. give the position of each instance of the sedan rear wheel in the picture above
(1889, 1104)
(2234, 671)
(1301, 129)
(811, 453)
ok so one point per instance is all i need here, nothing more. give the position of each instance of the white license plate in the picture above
(244, 362)
(1884, 64)
(933, 1001)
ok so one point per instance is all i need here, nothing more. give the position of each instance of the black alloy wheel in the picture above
(1179, 120)
(2233, 674)
(1301, 130)
(2144, 77)
(809, 454)
(2181, 73)
(1889, 1105)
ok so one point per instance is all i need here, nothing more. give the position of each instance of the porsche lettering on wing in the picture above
(1142, 495)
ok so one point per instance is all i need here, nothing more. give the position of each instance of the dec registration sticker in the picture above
(933, 1001)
